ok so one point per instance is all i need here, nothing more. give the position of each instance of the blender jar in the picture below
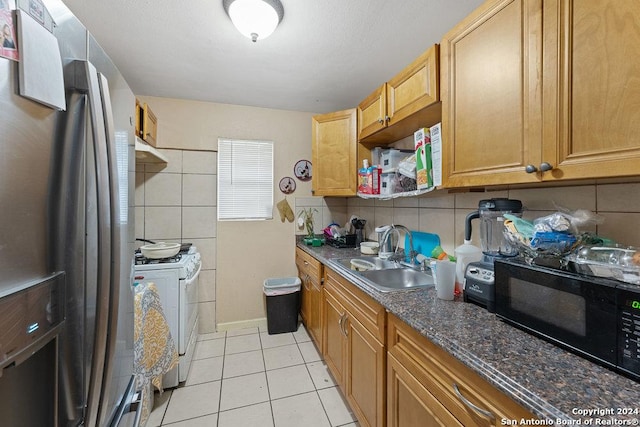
(491, 214)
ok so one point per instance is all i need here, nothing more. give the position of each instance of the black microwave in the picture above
(594, 317)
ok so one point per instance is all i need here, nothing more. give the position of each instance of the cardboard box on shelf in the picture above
(436, 153)
(424, 172)
(369, 180)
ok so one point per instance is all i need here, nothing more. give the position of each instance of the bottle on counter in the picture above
(465, 254)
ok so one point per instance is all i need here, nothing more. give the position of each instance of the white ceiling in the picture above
(326, 55)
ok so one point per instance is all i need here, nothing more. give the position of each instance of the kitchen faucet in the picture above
(395, 257)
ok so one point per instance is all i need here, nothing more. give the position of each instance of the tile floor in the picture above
(247, 378)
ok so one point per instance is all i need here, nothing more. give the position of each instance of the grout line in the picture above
(221, 379)
(266, 378)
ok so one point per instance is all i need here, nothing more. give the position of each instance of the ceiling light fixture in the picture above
(255, 19)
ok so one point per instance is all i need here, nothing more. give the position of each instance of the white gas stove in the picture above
(177, 281)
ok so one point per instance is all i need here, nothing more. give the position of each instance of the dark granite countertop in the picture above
(551, 382)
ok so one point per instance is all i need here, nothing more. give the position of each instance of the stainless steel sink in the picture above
(387, 276)
(398, 279)
(373, 261)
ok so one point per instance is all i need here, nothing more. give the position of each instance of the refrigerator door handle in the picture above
(86, 81)
(114, 297)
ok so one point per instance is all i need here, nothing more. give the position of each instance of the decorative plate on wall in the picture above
(287, 185)
(302, 170)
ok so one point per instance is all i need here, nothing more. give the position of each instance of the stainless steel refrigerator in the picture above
(66, 242)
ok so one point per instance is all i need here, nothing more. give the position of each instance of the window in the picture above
(245, 180)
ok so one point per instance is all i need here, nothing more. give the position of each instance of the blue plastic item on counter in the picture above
(423, 243)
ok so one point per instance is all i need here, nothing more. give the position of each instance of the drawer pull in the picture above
(343, 317)
(470, 405)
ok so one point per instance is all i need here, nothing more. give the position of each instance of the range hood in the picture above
(147, 153)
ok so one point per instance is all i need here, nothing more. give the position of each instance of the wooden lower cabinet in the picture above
(310, 273)
(353, 354)
(427, 381)
(334, 349)
(410, 404)
(365, 389)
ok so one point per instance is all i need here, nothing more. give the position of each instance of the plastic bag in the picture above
(566, 220)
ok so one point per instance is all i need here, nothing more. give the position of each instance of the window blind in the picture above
(245, 180)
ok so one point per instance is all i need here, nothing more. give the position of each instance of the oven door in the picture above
(573, 311)
(188, 309)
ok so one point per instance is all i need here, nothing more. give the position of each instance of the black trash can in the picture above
(283, 304)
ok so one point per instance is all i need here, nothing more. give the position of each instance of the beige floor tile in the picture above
(300, 410)
(243, 391)
(246, 363)
(205, 370)
(206, 421)
(281, 357)
(309, 352)
(276, 340)
(211, 336)
(320, 375)
(160, 402)
(244, 331)
(210, 348)
(193, 401)
(242, 343)
(250, 416)
(335, 407)
(289, 381)
(301, 335)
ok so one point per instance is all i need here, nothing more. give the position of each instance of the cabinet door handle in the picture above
(530, 169)
(387, 119)
(343, 317)
(381, 121)
(544, 166)
(470, 405)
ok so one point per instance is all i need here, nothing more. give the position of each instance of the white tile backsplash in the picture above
(199, 222)
(199, 190)
(177, 202)
(200, 162)
(162, 189)
(444, 213)
(162, 222)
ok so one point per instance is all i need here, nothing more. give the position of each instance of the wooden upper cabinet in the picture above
(591, 88)
(492, 95)
(334, 154)
(533, 94)
(372, 113)
(408, 101)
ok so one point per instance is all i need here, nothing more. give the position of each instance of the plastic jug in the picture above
(465, 254)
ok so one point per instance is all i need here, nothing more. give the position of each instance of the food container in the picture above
(369, 248)
(160, 250)
(390, 158)
(617, 263)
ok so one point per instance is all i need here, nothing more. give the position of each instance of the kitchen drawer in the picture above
(308, 265)
(440, 373)
(368, 312)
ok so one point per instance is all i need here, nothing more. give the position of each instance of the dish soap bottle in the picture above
(465, 254)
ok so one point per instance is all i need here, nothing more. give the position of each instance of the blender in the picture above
(491, 214)
(479, 277)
